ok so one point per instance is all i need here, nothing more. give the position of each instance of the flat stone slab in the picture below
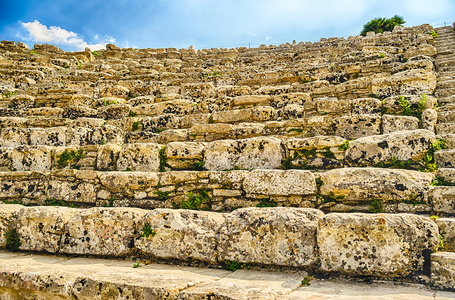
(31, 276)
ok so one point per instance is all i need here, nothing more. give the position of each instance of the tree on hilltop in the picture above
(379, 25)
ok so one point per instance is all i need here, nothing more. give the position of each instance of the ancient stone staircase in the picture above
(318, 158)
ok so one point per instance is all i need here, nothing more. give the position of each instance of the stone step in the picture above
(447, 231)
(442, 268)
(449, 139)
(447, 115)
(65, 278)
(445, 92)
(445, 158)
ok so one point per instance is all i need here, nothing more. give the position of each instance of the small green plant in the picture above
(371, 95)
(136, 265)
(107, 102)
(330, 198)
(102, 142)
(197, 166)
(210, 120)
(158, 130)
(441, 245)
(147, 231)
(319, 183)
(375, 206)
(163, 159)
(196, 201)
(383, 107)
(421, 107)
(233, 265)
(406, 109)
(56, 202)
(382, 55)
(441, 181)
(110, 203)
(214, 73)
(132, 114)
(327, 153)
(69, 158)
(33, 52)
(434, 218)
(94, 53)
(434, 34)
(9, 93)
(306, 281)
(193, 135)
(394, 163)
(14, 201)
(136, 125)
(12, 240)
(163, 195)
(79, 65)
(344, 146)
(267, 202)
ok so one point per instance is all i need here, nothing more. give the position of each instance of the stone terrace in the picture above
(325, 157)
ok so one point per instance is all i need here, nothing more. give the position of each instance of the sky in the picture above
(74, 25)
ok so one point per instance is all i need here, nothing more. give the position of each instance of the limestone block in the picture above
(392, 123)
(443, 199)
(91, 123)
(303, 99)
(167, 121)
(447, 173)
(139, 157)
(263, 113)
(22, 185)
(82, 192)
(250, 100)
(47, 112)
(31, 158)
(447, 231)
(141, 100)
(102, 231)
(55, 136)
(214, 104)
(40, 228)
(114, 111)
(357, 126)
(82, 100)
(423, 49)
(14, 136)
(128, 182)
(392, 104)
(22, 101)
(172, 135)
(367, 184)
(5, 159)
(107, 156)
(333, 106)
(232, 178)
(293, 111)
(429, 119)
(232, 116)
(182, 154)
(107, 134)
(253, 153)
(445, 128)
(403, 145)
(175, 107)
(413, 82)
(382, 245)
(8, 220)
(232, 91)
(181, 234)
(211, 128)
(445, 158)
(114, 91)
(419, 62)
(16, 122)
(199, 89)
(74, 112)
(318, 142)
(443, 270)
(366, 106)
(279, 182)
(271, 236)
(189, 120)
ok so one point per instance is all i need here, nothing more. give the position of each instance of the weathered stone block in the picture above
(412, 82)
(31, 158)
(367, 184)
(127, 182)
(279, 182)
(382, 245)
(250, 100)
(40, 228)
(353, 127)
(443, 199)
(445, 158)
(271, 236)
(447, 231)
(14, 137)
(107, 156)
(181, 155)
(139, 157)
(102, 231)
(303, 99)
(72, 191)
(232, 116)
(392, 123)
(253, 153)
(403, 145)
(114, 111)
(167, 121)
(366, 106)
(443, 270)
(181, 234)
(48, 137)
(8, 220)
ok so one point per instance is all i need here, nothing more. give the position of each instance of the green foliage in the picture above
(14, 201)
(394, 163)
(429, 165)
(210, 120)
(196, 202)
(131, 95)
(344, 146)
(56, 202)
(327, 153)
(287, 163)
(33, 52)
(147, 231)
(267, 202)
(434, 218)
(158, 130)
(163, 159)
(94, 53)
(136, 125)
(110, 203)
(107, 103)
(441, 243)
(371, 95)
(379, 25)
(382, 55)
(102, 142)
(421, 107)
(197, 166)
(132, 114)
(136, 265)
(375, 206)
(214, 73)
(406, 109)
(235, 265)
(163, 195)
(306, 281)
(79, 65)
(330, 198)
(12, 240)
(70, 158)
(9, 93)
(441, 181)
(319, 183)
(434, 34)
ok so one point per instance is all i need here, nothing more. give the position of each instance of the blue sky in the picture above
(74, 25)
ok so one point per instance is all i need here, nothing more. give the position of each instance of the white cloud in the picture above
(40, 33)
(268, 38)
